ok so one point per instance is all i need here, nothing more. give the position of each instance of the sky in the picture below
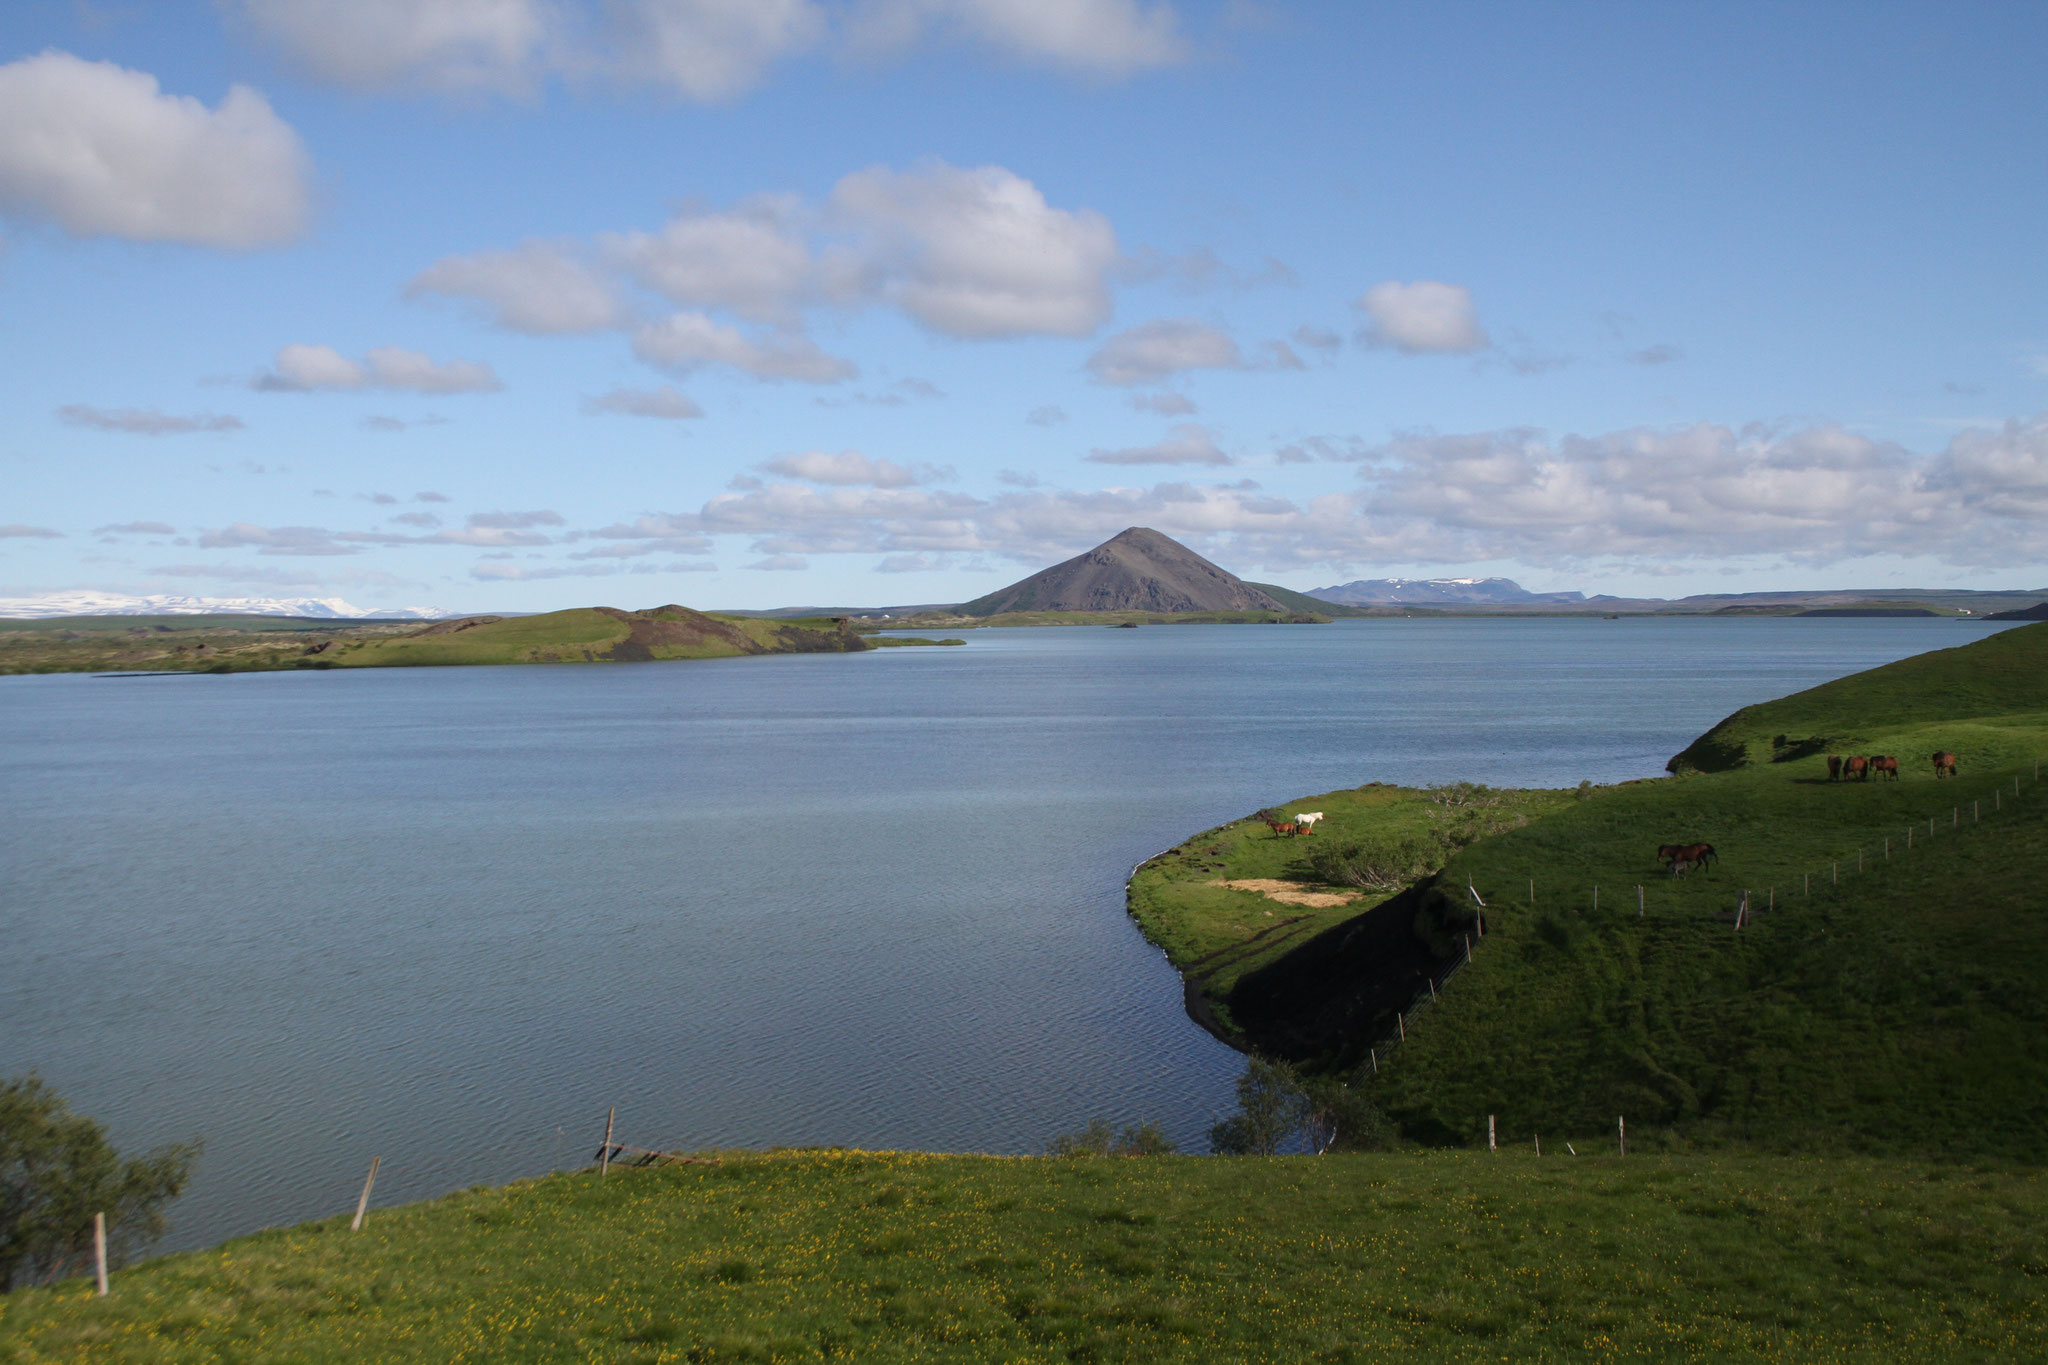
(527, 304)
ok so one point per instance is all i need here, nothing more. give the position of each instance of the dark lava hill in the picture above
(1136, 570)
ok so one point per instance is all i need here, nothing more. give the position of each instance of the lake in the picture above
(449, 916)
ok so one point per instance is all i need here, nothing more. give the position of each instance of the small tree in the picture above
(1099, 1138)
(1270, 1109)
(57, 1170)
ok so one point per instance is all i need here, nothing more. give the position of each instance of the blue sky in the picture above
(534, 303)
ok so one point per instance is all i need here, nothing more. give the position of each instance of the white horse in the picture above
(1307, 821)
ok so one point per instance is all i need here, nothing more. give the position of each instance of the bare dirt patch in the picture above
(1290, 893)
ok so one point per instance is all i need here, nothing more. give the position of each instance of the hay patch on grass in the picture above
(1290, 893)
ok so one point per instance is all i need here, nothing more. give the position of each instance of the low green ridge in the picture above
(578, 635)
(814, 1256)
(1885, 993)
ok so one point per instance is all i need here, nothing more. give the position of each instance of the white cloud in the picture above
(704, 50)
(1050, 415)
(1166, 403)
(1639, 497)
(752, 259)
(238, 573)
(665, 402)
(274, 540)
(685, 341)
(448, 45)
(17, 531)
(393, 367)
(1660, 354)
(1317, 338)
(780, 564)
(496, 570)
(136, 528)
(710, 50)
(1189, 443)
(537, 287)
(1153, 351)
(100, 150)
(1091, 37)
(850, 468)
(301, 368)
(516, 520)
(1424, 317)
(977, 253)
(144, 421)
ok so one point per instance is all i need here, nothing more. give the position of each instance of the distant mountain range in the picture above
(1379, 592)
(118, 604)
(1504, 594)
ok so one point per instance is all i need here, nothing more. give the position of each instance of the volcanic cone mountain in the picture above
(1136, 570)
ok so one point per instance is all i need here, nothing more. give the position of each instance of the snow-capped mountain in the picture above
(1375, 592)
(118, 604)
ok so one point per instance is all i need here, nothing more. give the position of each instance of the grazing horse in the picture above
(1308, 821)
(1884, 765)
(1857, 767)
(1944, 764)
(1282, 829)
(1834, 767)
(1691, 855)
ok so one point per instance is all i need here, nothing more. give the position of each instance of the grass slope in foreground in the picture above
(1895, 999)
(811, 1256)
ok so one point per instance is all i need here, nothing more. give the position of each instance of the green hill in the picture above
(819, 1256)
(580, 635)
(1886, 993)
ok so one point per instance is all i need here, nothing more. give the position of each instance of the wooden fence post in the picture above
(1621, 1131)
(604, 1158)
(1539, 1144)
(1432, 987)
(1375, 1061)
(1596, 899)
(1491, 1144)
(1639, 900)
(1401, 1027)
(1532, 890)
(363, 1204)
(99, 1249)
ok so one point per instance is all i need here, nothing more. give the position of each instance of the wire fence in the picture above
(2001, 797)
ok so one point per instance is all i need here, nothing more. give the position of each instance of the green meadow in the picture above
(813, 1256)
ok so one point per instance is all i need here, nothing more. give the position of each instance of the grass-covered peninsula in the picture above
(201, 644)
(1884, 991)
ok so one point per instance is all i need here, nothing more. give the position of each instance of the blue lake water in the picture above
(449, 916)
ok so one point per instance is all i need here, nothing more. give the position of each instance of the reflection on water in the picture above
(448, 916)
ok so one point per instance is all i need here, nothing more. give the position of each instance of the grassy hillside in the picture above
(812, 1256)
(1883, 709)
(1888, 993)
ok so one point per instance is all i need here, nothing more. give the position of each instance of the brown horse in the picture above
(1944, 764)
(1282, 829)
(1834, 767)
(1691, 855)
(1857, 767)
(1884, 765)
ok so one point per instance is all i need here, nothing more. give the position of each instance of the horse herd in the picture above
(1860, 767)
(1298, 824)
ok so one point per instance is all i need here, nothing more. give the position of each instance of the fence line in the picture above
(1433, 985)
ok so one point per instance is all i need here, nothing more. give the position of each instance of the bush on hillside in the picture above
(1271, 1108)
(1100, 1138)
(57, 1170)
